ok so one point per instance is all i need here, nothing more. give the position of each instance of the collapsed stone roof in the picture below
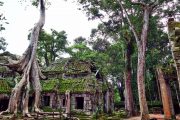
(70, 66)
(87, 82)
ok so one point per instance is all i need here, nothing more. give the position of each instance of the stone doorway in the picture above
(4, 104)
(46, 100)
(79, 102)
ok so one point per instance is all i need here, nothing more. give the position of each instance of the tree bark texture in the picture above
(141, 65)
(165, 95)
(128, 89)
(29, 69)
(170, 100)
(141, 45)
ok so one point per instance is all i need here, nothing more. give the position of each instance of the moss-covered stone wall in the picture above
(174, 37)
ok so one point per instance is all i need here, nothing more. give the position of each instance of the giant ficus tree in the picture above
(29, 69)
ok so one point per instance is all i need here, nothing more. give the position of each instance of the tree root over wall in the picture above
(29, 69)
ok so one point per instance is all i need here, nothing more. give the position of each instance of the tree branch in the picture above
(154, 4)
(129, 21)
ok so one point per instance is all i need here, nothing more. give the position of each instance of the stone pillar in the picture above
(107, 101)
(73, 102)
(87, 104)
(68, 102)
(51, 100)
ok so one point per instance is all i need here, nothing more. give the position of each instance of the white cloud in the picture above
(61, 15)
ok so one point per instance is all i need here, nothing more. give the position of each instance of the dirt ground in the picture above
(157, 116)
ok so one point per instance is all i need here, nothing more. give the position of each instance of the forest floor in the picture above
(157, 116)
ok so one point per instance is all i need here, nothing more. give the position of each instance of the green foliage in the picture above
(114, 27)
(50, 85)
(47, 109)
(80, 40)
(3, 21)
(51, 46)
(75, 85)
(82, 52)
(117, 98)
(57, 66)
(78, 113)
(3, 44)
(121, 113)
(4, 87)
(3, 69)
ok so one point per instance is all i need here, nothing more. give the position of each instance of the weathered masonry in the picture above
(88, 91)
(174, 37)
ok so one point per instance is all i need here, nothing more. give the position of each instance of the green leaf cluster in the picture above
(4, 87)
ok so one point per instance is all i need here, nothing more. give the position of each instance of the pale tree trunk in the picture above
(129, 103)
(141, 45)
(141, 65)
(165, 95)
(30, 71)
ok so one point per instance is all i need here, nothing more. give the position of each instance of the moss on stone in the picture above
(4, 87)
(3, 69)
(79, 85)
(49, 85)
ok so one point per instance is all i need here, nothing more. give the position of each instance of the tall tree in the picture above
(28, 67)
(51, 45)
(133, 11)
(126, 47)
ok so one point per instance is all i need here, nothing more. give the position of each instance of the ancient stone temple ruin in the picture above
(88, 90)
(74, 84)
(174, 37)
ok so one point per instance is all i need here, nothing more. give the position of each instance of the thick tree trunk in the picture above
(165, 96)
(129, 103)
(170, 100)
(30, 71)
(141, 44)
(141, 65)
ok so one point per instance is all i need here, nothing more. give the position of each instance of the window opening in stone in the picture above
(79, 102)
(46, 100)
(63, 102)
(4, 104)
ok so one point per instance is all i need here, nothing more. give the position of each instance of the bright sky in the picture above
(61, 15)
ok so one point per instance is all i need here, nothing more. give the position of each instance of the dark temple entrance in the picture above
(46, 100)
(4, 104)
(79, 102)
